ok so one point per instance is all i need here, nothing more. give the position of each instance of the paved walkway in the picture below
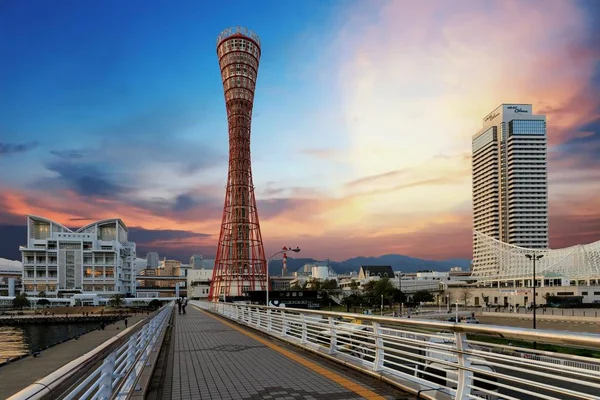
(216, 359)
(19, 374)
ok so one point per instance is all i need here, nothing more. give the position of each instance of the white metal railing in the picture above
(433, 358)
(116, 378)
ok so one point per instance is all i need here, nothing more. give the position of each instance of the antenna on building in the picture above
(284, 269)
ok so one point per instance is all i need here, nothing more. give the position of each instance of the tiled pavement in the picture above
(214, 361)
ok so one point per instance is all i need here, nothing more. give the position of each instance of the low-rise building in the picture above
(198, 283)
(97, 258)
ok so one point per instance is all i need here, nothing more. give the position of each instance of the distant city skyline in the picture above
(362, 125)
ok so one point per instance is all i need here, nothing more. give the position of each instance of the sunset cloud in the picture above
(362, 127)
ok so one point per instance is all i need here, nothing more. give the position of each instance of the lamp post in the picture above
(400, 289)
(534, 257)
(284, 250)
(448, 303)
(456, 320)
(382, 305)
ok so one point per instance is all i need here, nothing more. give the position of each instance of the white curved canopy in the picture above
(493, 259)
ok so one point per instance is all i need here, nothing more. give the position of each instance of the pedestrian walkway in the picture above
(216, 359)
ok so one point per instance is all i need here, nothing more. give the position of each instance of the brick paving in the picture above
(214, 361)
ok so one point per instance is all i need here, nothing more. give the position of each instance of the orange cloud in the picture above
(413, 81)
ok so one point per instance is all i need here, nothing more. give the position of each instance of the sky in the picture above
(361, 134)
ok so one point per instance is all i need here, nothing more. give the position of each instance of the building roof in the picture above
(103, 222)
(49, 221)
(377, 270)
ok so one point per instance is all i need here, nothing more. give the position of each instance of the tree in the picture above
(422, 296)
(398, 296)
(348, 301)
(354, 285)
(42, 295)
(465, 295)
(369, 293)
(43, 302)
(295, 286)
(314, 284)
(329, 284)
(20, 301)
(373, 290)
(154, 304)
(384, 287)
(116, 300)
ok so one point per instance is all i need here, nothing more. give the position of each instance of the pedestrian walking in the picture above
(179, 305)
(184, 304)
(125, 323)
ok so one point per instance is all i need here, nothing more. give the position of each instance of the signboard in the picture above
(517, 109)
(515, 292)
(491, 117)
(306, 299)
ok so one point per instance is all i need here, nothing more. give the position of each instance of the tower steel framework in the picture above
(240, 264)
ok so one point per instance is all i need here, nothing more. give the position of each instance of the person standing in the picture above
(125, 323)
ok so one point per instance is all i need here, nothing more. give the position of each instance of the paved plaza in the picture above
(215, 359)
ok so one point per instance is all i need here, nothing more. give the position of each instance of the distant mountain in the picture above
(397, 261)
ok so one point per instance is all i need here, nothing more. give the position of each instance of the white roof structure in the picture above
(505, 261)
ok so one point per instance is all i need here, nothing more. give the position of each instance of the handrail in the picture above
(546, 336)
(118, 368)
(426, 357)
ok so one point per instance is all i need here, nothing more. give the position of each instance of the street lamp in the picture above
(456, 319)
(534, 257)
(400, 290)
(284, 250)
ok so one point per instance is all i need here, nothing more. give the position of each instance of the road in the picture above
(573, 326)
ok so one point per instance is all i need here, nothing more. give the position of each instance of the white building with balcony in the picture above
(198, 283)
(97, 258)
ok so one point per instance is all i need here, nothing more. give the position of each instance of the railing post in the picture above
(284, 323)
(106, 377)
(333, 336)
(131, 350)
(379, 356)
(465, 378)
(304, 333)
(268, 320)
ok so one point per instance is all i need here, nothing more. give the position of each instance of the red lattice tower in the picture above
(240, 264)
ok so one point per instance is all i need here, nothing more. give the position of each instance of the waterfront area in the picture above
(18, 374)
(18, 341)
(27, 332)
